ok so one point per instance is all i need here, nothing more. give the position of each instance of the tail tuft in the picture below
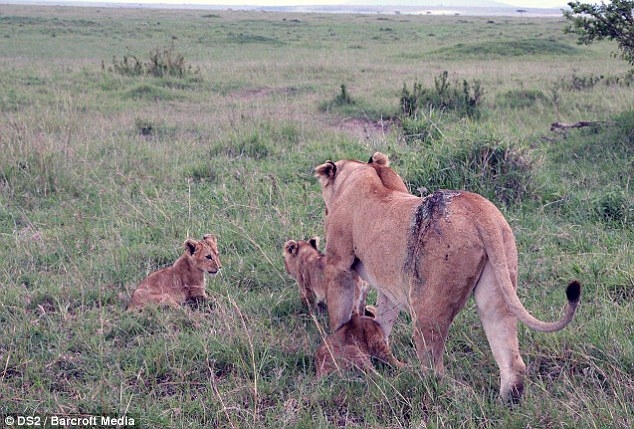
(573, 292)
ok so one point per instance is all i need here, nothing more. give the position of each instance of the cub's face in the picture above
(204, 254)
(301, 259)
(298, 253)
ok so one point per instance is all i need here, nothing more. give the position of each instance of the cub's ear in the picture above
(190, 246)
(314, 242)
(291, 247)
(211, 239)
(370, 311)
(380, 159)
(326, 172)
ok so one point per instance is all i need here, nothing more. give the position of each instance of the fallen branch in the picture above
(564, 126)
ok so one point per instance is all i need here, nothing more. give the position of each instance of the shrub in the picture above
(444, 96)
(144, 127)
(128, 66)
(409, 100)
(342, 99)
(502, 170)
(581, 83)
(162, 62)
(481, 164)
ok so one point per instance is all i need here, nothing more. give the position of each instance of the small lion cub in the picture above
(182, 281)
(305, 263)
(352, 346)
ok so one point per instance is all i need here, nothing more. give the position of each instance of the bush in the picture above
(409, 100)
(162, 62)
(482, 164)
(444, 96)
(502, 170)
(342, 99)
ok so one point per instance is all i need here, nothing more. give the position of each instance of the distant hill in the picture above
(425, 3)
(418, 7)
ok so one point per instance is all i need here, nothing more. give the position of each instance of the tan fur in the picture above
(182, 281)
(426, 255)
(305, 263)
(352, 346)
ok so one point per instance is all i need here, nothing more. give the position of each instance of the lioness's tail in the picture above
(573, 293)
(498, 259)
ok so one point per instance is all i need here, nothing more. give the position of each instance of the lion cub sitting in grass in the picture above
(352, 346)
(305, 263)
(182, 281)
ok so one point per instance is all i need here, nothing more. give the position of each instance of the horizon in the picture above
(532, 4)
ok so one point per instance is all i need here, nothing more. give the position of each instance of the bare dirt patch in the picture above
(366, 128)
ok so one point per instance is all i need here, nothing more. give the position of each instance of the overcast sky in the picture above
(515, 3)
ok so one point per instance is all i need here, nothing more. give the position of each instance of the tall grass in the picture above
(104, 175)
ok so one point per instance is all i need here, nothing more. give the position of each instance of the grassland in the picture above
(103, 175)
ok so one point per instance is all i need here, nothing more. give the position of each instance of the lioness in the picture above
(352, 345)
(305, 263)
(182, 281)
(427, 255)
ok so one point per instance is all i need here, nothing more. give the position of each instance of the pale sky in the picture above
(514, 3)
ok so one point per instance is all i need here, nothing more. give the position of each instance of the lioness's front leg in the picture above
(340, 295)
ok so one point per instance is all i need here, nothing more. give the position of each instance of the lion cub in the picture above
(182, 281)
(352, 346)
(305, 263)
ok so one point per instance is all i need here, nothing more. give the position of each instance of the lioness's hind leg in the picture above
(430, 345)
(433, 308)
(500, 326)
(431, 325)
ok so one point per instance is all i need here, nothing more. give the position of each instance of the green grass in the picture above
(103, 176)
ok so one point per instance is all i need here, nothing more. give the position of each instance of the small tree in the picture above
(612, 21)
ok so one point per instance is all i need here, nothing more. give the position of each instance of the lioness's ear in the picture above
(291, 247)
(190, 246)
(314, 242)
(379, 158)
(325, 172)
(211, 239)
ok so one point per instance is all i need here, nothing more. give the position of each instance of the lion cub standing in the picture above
(305, 263)
(354, 343)
(182, 281)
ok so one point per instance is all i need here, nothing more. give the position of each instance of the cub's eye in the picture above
(209, 257)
